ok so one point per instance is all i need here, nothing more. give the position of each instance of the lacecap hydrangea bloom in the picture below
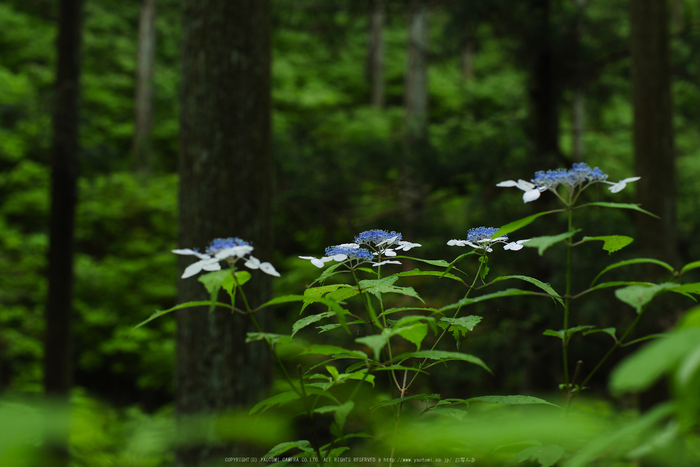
(579, 176)
(224, 249)
(367, 246)
(482, 237)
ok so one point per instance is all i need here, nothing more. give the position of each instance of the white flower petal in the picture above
(315, 261)
(209, 264)
(456, 242)
(515, 246)
(388, 240)
(405, 246)
(238, 251)
(389, 253)
(525, 185)
(267, 268)
(354, 246)
(386, 262)
(252, 263)
(336, 258)
(507, 183)
(531, 195)
(189, 251)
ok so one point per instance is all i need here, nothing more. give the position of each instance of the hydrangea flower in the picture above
(579, 176)
(482, 237)
(224, 249)
(368, 244)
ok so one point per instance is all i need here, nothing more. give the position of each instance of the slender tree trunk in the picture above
(653, 130)
(144, 86)
(58, 367)
(416, 98)
(578, 111)
(225, 191)
(544, 89)
(375, 53)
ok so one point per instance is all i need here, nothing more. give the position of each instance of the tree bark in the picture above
(225, 191)
(653, 130)
(375, 53)
(144, 86)
(544, 87)
(58, 357)
(416, 98)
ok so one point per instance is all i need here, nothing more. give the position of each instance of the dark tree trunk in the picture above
(578, 107)
(225, 191)
(653, 130)
(144, 86)
(58, 367)
(544, 87)
(416, 99)
(375, 53)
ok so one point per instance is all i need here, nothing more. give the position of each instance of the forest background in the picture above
(511, 88)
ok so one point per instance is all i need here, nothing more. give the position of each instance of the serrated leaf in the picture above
(443, 356)
(340, 412)
(609, 331)
(212, 280)
(376, 342)
(385, 285)
(302, 323)
(611, 243)
(400, 400)
(634, 207)
(566, 334)
(510, 400)
(332, 304)
(269, 337)
(519, 224)
(638, 296)
(536, 282)
(667, 266)
(459, 325)
(543, 243)
(545, 455)
(414, 333)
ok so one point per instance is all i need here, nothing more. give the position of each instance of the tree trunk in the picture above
(144, 86)
(578, 110)
(416, 99)
(225, 191)
(58, 367)
(653, 130)
(466, 56)
(375, 53)
(544, 88)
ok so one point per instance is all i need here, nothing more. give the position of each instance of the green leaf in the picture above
(302, 323)
(433, 262)
(620, 206)
(269, 337)
(566, 334)
(519, 224)
(284, 447)
(611, 243)
(638, 296)
(278, 399)
(542, 243)
(385, 285)
(332, 304)
(450, 412)
(634, 261)
(542, 285)
(641, 369)
(212, 281)
(469, 301)
(414, 333)
(459, 325)
(158, 314)
(690, 267)
(510, 400)
(328, 272)
(484, 269)
(319, 349)
(443, 356)
(400, 400)
(376, 342)
(545, 455)
(418, 272)
(340, 412)
(609, 331)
